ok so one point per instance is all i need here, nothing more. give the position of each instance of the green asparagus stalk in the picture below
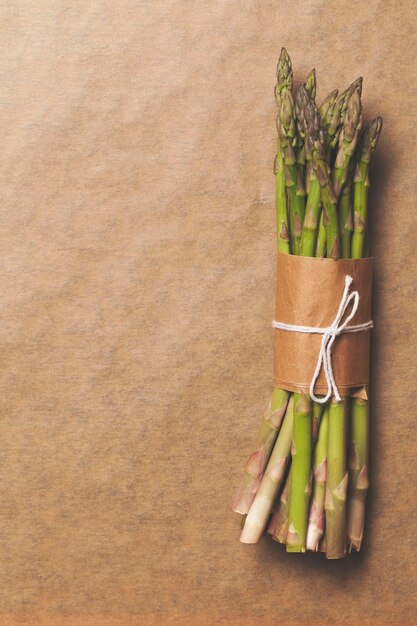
(315, 142)
(316, 519)
(359, 429)
(330, 115)
(293, 151)
(317, 414)
(346, 107)
(279, 523)
(331, 112)
(358, 471)
(345, 95)
(273, 416)
(310, 84)
(283, 237)
(361, 185)
(284, 83)
(335, 108)
(337, 480)
(261, 508)
(309, 122)
(321, 238)
(327, 109)
(258, 460)
(294, 183)
(301, 474)
(345, 217)
(306, 91)
(310, 126)
(348, 138)
(284, 75)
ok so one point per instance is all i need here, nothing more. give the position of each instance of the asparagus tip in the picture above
(369, 139)
(284, 73)
(301, 100)
(310, 83)
(353, 116)
(374, 131)
(284, 57)
(357, 85)
(330, 113)
(314, 129)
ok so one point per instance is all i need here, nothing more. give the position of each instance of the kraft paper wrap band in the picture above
(308, 293)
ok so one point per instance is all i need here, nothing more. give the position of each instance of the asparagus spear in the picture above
(331, 111)
(272, 418)
(308, 87)
(294, 183)
(283, 237)
(345, 95)
(261, 508)
(274, 415)
(336, 470)
(301, 474)
(348, 138)
(327, 108)
(337, 480)
(316, 517)
(361, 185)
(284, 83)
(321, 238)
(279, 523)
(345, 217)
(278, 527)
(315, 140)
(310, 124)
(304, 93)
(330, 115)
(337, 477)
(317, 414)
(257, 461)
(269, 428)
(358, 471)
(284, 75)
(310, 84)
(358, 457)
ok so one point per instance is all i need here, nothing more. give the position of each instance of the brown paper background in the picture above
(308, 292)
(137, 283)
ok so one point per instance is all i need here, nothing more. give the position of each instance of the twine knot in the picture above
(336, 328)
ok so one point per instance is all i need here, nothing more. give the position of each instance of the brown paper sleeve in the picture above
(308, 293)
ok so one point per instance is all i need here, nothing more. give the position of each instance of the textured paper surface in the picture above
(308, 293)
(137, 282)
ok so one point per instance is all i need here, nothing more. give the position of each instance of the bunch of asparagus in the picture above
(308, 474)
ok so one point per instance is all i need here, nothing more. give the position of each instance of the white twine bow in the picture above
(330, 333)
